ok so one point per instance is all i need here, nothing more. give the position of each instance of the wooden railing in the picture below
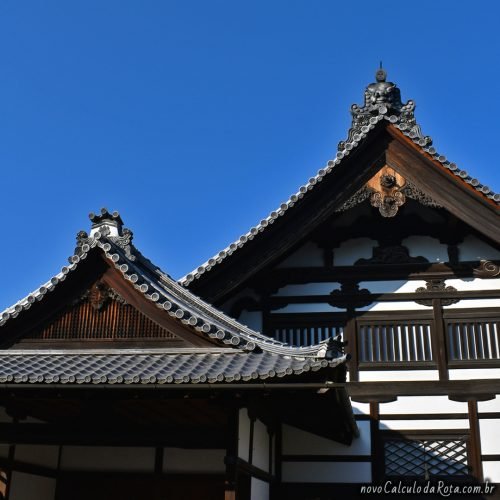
(402, 339)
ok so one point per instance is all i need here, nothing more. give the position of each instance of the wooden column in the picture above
(439, 340)
(230, 482)
(475, 442)
(377, 450)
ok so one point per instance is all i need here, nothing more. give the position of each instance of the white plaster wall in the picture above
(472, 303)
(326, 472)
(492, 405)
(428, 424)
(107, 458)
(491, 472)
(473, 284)
(308, 255)
(259, 489)
(243, 434)
(426, 246)
(307, 289)
(394, 375)
(360, 408)
(299, 442)
(194, 461)
(260, 446)
(474, 373)
(392, 286)
(31, 487)
(351, 250)
(253, 319)
(473, 248)
(395, 306)
(423, 405)
(37, 454)
(489, 430)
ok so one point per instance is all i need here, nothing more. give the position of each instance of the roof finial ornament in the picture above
(382, 101)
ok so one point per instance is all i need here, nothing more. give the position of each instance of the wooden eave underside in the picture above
(385, 145)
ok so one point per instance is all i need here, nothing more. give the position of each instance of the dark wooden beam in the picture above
(459, 388)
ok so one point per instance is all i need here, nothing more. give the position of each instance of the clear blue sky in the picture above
(195, 119)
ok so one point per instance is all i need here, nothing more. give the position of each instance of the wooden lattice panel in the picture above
(113, 321)
(426, 458)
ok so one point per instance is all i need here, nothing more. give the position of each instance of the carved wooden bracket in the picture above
(99, 294)
(387, 194)
(393, 254)
(436, 286)
(350, 296)
(487, 269)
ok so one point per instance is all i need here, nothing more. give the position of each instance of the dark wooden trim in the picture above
(424, 416)
(253, 471)
(438, 340)
(491, 458)
(278, 452)
(352, 348)
(327, 458)
(281, 301)
(21, 466)
(159, 457)
(9, 467)
(388, 366)
(232, 438)
(474, 363)
(475, 442)
(425, 433)
(489, 415)
(471, 388)
(377, 450)
(459, 198)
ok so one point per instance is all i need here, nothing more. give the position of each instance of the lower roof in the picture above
(151, 366)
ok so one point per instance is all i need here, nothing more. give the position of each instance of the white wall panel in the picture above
(31, 487)
(196, 461)
(259, 489)
(493, 405)
(491, 472)
(243, 434)
(423, 405)
(473, 284)
(429, 424)
(308, 255)
(426, 246)
(326, 472)
(37, 454)
(360, 408)
(471, 303)
(392, 286)
(394, 375)
(299, 442)
(107, 458)
(260, 446)
(474, 373)
(489, 430)
(473, 248)
(352, 250)
(394, 306)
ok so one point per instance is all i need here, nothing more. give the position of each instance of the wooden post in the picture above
(377, 450)
(230, 482)
(439, 340)
(475, 442)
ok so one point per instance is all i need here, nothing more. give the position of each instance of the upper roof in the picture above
(239, 353)
(382, 103)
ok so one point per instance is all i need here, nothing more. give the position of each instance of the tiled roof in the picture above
(151, 366)
(168, 295)
(382, 102)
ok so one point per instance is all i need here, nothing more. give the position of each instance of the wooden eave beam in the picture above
(430, 176)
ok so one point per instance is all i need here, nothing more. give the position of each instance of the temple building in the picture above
(351, 338)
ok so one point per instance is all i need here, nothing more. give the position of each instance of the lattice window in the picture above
(383, 342)
(473, 340)
(425, 458)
